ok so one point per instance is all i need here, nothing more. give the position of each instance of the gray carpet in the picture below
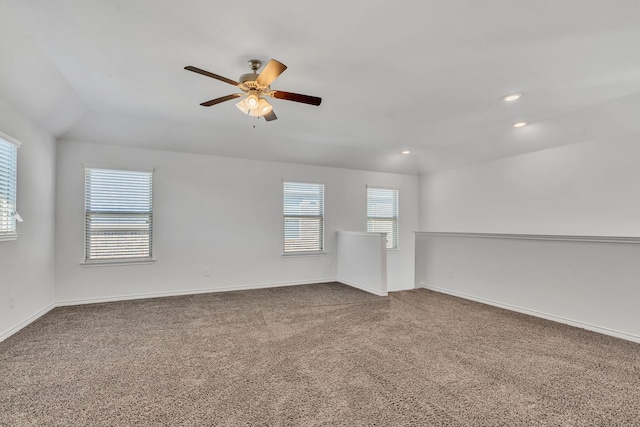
(313, 355)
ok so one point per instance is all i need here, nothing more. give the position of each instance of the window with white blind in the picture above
(8, 187)
(382, 213)
(118, 214)
(303, 217)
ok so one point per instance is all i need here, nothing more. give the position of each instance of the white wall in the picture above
(27, 264)
(593, 285)
(362, 260)
(219, 213)
(583, 189)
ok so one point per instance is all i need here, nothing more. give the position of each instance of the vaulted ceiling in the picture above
(425, 76)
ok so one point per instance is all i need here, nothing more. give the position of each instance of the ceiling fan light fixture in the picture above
(264, 107)
(242, 106)
(252, 100)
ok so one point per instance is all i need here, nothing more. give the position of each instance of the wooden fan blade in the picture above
(270, 116)
(270, 72)
(208, 74)
(221, 99)
(296, 97)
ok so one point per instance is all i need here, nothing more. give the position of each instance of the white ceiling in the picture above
(427, 76)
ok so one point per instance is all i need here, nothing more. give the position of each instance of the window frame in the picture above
(12, 190)
(90, 262)
(395, 219)
(321, 249)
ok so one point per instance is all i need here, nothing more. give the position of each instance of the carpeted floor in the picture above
(313, 355)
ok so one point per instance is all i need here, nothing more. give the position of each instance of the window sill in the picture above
(117, 262)
(9, 237)
(303, 254)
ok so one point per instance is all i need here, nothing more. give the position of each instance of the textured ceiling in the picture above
(425, 76)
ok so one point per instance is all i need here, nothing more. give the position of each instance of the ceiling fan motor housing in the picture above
(249, 77)
(255, 65)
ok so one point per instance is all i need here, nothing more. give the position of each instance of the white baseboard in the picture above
(364, 288)
(27, 322)
(187, 292)
(535, 313)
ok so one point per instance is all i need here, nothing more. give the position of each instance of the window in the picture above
(382, 213)
(118, 214)
(8, 183)
(303, 217)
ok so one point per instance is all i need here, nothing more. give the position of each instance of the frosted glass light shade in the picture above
(261, 108)
(252, 100)
(264, 107)
(242, 106)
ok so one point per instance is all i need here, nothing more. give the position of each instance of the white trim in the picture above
(535, 313)
(10, 140)
(116, 262)
(130, 168)
(188, 292)
(7, 237)
(553, 237)
(27, 322)
(364, 288)
(295, 181)
(303, 253)
(362, 233)
(382, 187)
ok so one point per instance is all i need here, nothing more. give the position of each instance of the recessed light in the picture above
(406, 152)
(512, 97)
(519, 124)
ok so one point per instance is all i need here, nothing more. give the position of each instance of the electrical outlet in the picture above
(450, 274)
(12, 301)
(207, 271)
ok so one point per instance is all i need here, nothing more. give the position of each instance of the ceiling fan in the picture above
(255, 87)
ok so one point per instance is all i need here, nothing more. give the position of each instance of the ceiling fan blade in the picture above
(272, 70)
(208, 74)
(296, 97)
(221, 99)
(270, 116)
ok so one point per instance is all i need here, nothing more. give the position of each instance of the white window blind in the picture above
(8, 184)
(303, 217)
(119, 214)
(382, 213)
